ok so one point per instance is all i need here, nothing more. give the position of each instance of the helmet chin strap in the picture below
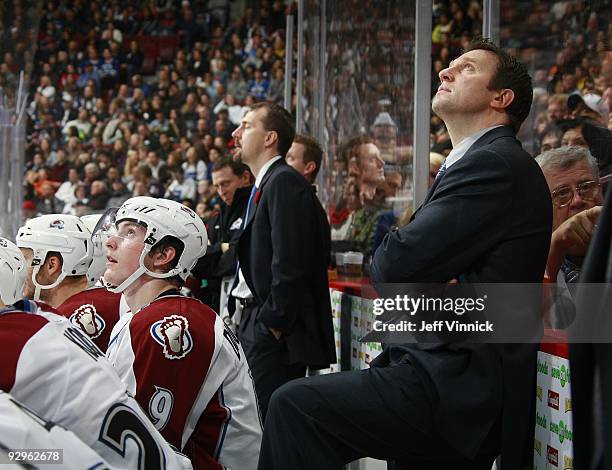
(125, 284)
(39, 287)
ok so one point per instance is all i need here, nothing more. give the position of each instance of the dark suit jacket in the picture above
(215, 264)
(283, 253)
(488, 219)
(592, 444)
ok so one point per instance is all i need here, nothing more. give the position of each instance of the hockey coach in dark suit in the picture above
(282, 287)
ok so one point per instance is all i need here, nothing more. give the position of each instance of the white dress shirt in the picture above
(462, 147)
(242, 290)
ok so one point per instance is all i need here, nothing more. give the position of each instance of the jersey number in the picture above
(121, 424)
(160, 407)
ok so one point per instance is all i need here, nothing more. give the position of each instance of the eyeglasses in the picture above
(588, 190)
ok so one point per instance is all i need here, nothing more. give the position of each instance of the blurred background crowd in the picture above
(139, 97)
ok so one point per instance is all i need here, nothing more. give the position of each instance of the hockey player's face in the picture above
(123, 250)
(28, 288)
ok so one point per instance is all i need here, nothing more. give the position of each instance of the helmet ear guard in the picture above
(61, 233)
(13, 272)
(163, 218)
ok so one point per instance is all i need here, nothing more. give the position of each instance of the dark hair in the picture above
(237, 167)
(510, 74)
(166, 242)
(312, 151)
(277, 119)
(350, 149)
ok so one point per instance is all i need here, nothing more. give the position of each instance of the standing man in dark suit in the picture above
(487, 218)
(281, 285)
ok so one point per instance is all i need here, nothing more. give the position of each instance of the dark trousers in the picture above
(266, 357)
(327, 421)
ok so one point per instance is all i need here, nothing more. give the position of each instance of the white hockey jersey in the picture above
(21, 429)
(52, 367)
(188, 371)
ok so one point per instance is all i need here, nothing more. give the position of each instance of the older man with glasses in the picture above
(572, 175)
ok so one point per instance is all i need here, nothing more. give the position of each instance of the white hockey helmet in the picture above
(13, 272)
(98, 239)
(163, 217)
(61, 233)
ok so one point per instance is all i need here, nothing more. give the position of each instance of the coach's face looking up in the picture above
(465, 101)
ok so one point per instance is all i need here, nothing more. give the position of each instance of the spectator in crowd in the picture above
(65, 192)
(572, 175)
(236, 85)
(258, 86)
(589, 106)
(583, 132)
(47, 202)
(159, 172)
(365, 163)
(194, 168)
(99, 195)
(551, 138)
(118, 194)
(557, 110)
(180, 188)
(29, 210)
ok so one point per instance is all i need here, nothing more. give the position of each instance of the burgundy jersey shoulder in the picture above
(11, 344)
(194, 310)
(95, 311)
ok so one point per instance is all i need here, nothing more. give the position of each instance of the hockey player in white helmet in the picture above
(175, 354)
(49, 365)
(97, 224)
(59, 250)
(56, 247)
(13, 271)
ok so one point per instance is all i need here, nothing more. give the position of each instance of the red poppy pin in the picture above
(257, 196)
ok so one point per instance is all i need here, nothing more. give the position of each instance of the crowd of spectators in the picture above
(139, 98)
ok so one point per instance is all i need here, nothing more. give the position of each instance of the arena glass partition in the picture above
(371, 68)
(357, 76)
(20, 24)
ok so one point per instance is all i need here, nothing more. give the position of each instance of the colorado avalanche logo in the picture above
(173, 334)
(58, 224)
(87, 319)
